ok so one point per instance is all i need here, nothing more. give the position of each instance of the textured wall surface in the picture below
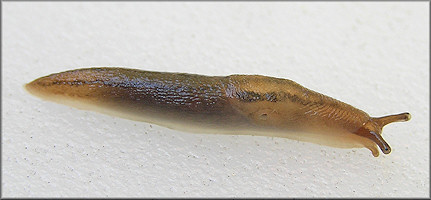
(371, 55)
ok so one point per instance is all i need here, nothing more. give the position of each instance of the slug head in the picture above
(373, 130)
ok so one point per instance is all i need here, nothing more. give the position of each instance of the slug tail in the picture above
(69, 83)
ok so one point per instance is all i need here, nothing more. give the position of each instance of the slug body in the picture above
(235, 104)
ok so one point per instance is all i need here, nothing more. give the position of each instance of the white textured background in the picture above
(371, 55)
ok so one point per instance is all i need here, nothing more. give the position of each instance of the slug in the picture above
(235, 104)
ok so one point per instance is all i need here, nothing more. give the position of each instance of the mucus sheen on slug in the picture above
(235, 104)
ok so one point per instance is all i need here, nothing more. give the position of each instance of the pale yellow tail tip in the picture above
(32, 88)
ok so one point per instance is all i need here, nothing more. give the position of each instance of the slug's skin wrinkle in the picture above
(236, 104)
